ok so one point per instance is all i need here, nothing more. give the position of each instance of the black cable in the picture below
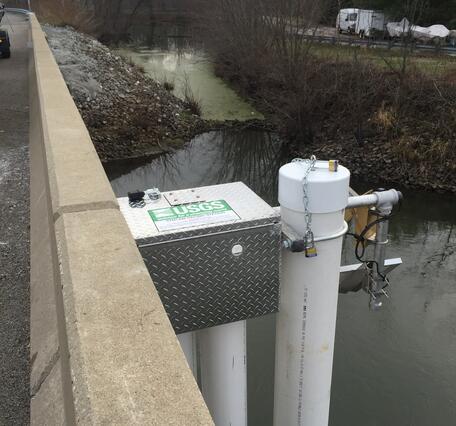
(360, 239)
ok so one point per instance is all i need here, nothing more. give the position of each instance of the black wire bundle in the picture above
(360, 240)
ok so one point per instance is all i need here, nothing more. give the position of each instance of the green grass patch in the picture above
(430, 64)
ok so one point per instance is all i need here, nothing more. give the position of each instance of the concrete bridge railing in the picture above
(102, 348)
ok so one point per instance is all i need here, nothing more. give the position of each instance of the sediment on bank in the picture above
(386, 108)
(127, 113)
(383, 125)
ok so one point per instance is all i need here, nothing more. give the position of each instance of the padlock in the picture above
(333, 165)
(311, 250)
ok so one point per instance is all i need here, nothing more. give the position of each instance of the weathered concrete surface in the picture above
(112, 301)
(77, 182)
(47, 405)
(46, 370)
(104, 351)
(14, 224)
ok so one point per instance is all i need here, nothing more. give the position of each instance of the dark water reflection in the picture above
(215, 157)
(398, 366)
(180, 36)
(393, 367)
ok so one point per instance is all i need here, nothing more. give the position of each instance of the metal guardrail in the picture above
(390, 44)
(17, 10)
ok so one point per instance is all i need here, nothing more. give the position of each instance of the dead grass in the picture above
(191, 100)
(193, 104)
(74, 13)
(168, 85)
(412, 149)
(430, 64)
(385, 117)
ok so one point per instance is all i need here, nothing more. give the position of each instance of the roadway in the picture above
(346, 40)
(329, 35)
(14, 227)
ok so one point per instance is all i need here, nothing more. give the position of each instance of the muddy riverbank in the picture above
(387, 114)
(128, 113)
(376, 162)
(410, 143)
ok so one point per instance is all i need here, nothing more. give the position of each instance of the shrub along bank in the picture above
(385, 115)
(393, 123)
(127, 113)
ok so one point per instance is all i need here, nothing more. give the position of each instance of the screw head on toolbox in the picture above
(237, 250)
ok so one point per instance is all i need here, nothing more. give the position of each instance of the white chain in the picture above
(309, 163)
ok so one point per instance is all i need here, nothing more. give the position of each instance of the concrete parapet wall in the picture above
(102, 348)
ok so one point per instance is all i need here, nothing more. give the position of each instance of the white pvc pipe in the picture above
(362, 200)
(223, 367)
(390, 197)
(188, 345)
(306, 321)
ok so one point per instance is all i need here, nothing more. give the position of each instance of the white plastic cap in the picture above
(327, 191)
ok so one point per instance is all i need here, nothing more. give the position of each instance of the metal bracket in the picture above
(354, 277)
(294, 242)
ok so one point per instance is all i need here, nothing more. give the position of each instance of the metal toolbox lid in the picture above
(209, 208)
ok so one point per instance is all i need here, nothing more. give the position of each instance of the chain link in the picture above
(309, 163)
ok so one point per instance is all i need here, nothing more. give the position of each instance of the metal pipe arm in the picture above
(378, 198)
(384, 201)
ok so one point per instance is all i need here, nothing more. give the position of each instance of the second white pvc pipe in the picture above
(188, 345)
(223, 368)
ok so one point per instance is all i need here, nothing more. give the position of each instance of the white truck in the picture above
(346, 20)
(369, 22)
(362, 22)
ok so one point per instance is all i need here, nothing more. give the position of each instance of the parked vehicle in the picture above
(361, 22)
(452, 38)
(369, 22)
(2, 11)
(346, 20)
(4, 38)
(4, 45)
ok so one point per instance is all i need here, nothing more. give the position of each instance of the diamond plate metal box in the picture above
(213, 253)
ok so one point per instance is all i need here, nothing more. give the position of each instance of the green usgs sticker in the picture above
(189, 215)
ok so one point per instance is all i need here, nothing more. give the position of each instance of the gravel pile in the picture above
(127, 113)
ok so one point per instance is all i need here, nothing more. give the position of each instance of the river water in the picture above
(393, 367)
(189, 66)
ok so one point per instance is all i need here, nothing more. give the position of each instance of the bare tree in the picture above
(106, 19)
(267, 41)
(413, 10)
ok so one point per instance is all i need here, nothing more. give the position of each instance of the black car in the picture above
(4, 39)
(4, 45)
